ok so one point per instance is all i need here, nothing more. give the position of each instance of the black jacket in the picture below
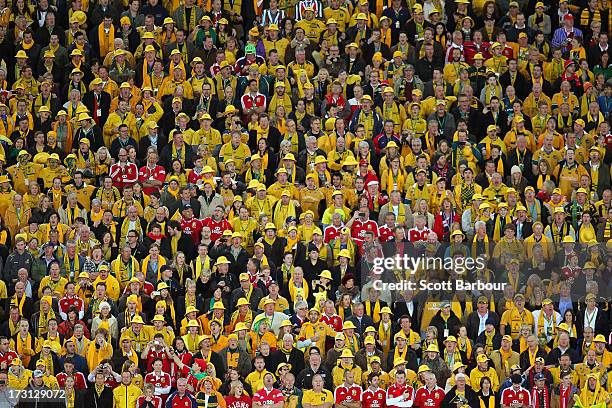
(452, 325)
(165, 158)
(103, 104)
(473, 323)
(93, 400)
(295, 358)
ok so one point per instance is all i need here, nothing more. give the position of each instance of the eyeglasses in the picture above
(132, 236)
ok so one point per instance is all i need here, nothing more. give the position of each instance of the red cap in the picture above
(201, 362)
(568, 63)
(568, 17)
(363, 162)
(587, 85)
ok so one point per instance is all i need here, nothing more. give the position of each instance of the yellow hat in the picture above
(432, 348)
(347, 353)
(269, 226)
(240, 326)
(244, 277)
(273, 27)
(148, 36)
(76, 53)
(345, 253)
(452, 339)
(21, 54)
(482, 358)
(600, 339)
(398, 361)
(350, 161)
(158, 318)
(568, 239)
(125, 20)
(78, 17)
(348, 325)
(168, 20)
(222, 260)
(331, 21)
(361, 16)
(193, 323)
(369, 340)
(320, 159)
(326, 274)
(563, 326)
(191, 309)
(423, 368)
(137, 319)
(41, 158)
(458, 365)
(269, 302)
(218, 305)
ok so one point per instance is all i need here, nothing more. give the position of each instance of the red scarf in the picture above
(564, 396)
(536, 401)
(155, 237)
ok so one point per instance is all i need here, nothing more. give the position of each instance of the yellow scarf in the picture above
(552, 324)
(72, 273)
(19, 304)
(192, 19)
(161, 261)
(129, 269)
(126, 225)
(395, 182)
(107, 41)
(373, 312)
(199, 265)
(384, 336)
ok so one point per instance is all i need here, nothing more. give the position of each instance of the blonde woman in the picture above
(422, 208)
(102, 160)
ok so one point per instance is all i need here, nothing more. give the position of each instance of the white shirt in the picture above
(481, 324)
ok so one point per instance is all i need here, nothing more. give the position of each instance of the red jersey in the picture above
(470, 48)
(360, 228)
(153, 355)
(192, 227)
(385, 234)
(348, 394)
(67, 302)
(374, 398)
(511, 396)
(149, 174)
(162, 383)
(125, 175)
(155, 400)
(395, 394)
(330, 233)
(265, 397)
(194, 177)
(249, 101)
(426, 398)
(216, 227)
(244, 401)
(79, 380)
(8, 357)
(334, 321)
(175, 372)
(415, 235)
(186, 401)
